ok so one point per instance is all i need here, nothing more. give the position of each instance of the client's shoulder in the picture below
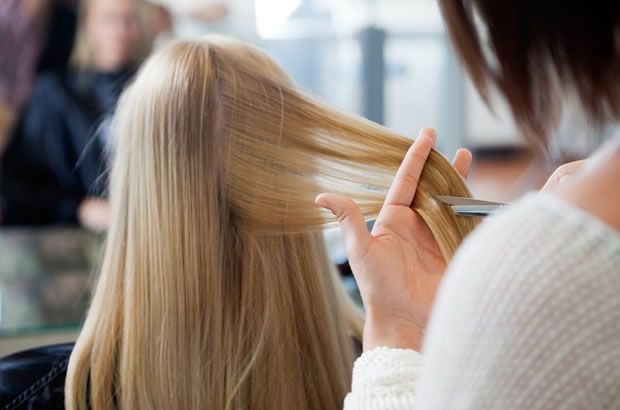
(34, 378)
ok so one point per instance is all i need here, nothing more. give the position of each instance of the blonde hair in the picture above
(82, 53)
(216, 290)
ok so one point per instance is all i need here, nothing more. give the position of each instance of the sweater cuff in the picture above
(384, 378)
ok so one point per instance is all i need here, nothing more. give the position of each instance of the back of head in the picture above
(540, 53)
(215, 286)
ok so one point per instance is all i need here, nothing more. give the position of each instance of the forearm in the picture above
(7, 119)
(403, 333)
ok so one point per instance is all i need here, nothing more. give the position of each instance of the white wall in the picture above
(484, 128)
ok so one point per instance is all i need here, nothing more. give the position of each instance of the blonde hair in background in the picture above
(82, 55)
(216, 290)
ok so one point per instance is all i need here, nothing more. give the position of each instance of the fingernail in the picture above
(320, 201)
(430, 132)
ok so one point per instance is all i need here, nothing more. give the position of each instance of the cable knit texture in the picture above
(528, 317)
(384, 379)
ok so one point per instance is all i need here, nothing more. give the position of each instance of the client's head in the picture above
(215, 286)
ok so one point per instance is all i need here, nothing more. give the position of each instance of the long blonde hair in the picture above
(216, 290)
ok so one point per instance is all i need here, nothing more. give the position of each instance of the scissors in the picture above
(470, 206)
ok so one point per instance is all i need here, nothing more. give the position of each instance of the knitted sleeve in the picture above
(384, 378)
(528, 317)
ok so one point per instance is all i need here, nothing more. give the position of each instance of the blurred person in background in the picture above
(36, 36)
(21, 29)
(52, 168)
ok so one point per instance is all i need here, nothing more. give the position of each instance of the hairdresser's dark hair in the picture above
(539, 50)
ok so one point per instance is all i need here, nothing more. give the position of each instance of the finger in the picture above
(462, 162)
(356, 235)
(406, 180)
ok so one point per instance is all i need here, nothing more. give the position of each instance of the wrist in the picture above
(391, 331)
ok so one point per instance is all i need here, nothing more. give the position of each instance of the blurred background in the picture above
(63, 64)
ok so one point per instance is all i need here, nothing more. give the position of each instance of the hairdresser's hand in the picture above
(593, 185)
(398, 266)
(94, 214)
(563, 174)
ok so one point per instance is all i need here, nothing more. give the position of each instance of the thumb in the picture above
(354, 229)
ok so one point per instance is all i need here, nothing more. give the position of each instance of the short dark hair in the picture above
(541, 50)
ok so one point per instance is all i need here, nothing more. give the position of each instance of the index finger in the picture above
(405, 182)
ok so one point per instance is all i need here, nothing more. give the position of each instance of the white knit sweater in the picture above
(528, 317)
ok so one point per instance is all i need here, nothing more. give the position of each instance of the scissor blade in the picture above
(475, 210)
(458, 200)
